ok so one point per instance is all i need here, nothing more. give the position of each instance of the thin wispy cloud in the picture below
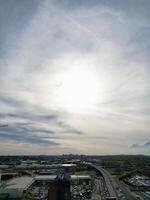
(42, 43)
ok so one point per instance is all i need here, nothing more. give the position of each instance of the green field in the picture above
(91, 173)
(111, 171)
(133, 197)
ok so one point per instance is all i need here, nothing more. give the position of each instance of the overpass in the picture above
(106, 177)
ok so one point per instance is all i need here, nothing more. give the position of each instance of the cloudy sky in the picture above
(75, 77)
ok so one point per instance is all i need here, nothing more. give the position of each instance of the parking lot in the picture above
(81, 191)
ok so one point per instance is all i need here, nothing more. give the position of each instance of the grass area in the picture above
(133, 197)
(91, 173)
(116, 171)
(111, 171)
(82, 172)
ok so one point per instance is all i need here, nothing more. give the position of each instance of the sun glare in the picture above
(78, 91)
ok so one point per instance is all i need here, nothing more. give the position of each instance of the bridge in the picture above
(106, 177)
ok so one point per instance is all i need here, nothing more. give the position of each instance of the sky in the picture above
(74, 77)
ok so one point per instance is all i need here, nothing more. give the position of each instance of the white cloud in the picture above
(104, 38)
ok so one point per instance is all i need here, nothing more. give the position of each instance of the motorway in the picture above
(96, 190)
(107, 179)
(111, 186)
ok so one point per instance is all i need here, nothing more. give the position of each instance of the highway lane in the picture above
(96, 192)
(107, 179)
(115, 187)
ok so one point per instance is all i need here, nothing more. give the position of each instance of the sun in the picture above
(79, 90)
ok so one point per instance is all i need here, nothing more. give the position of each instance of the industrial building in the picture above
(14, 188)
(52, 177)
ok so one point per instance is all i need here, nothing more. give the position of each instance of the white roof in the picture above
(45, 177)
(69, 165)
(19, 183)
(52, 177)
(73, 177)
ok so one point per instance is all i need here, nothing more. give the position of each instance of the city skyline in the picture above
(75, 77)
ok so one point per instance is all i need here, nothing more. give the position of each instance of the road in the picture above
(96, 190)
(122, 191)
(115, 188)
(106, 176)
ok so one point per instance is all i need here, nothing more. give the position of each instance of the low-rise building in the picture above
(14, 188)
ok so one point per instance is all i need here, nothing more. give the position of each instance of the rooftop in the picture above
(52, 177)
(75, 177)
(19, 183)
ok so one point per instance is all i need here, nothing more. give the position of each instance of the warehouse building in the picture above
(14, 188)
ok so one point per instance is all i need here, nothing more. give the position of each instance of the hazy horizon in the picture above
(74, 77)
